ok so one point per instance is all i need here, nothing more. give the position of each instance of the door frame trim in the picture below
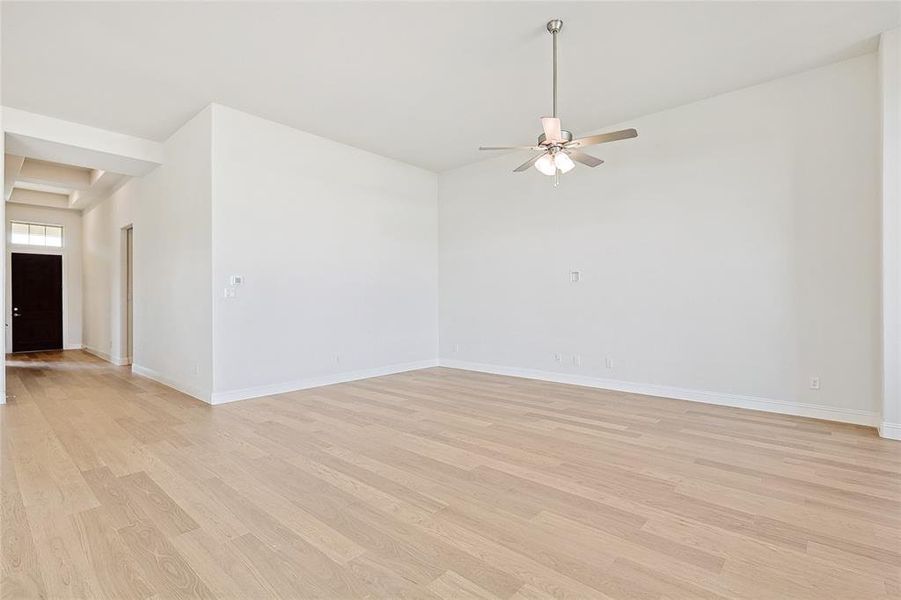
(122, 351)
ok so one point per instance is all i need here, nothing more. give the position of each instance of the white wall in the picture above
(339, 254)
(170, 211)
(70, 221)
(729, 253)
(104, 272)
(890, 103)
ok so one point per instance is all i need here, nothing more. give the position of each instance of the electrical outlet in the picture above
(608, 362)
(456, 348)
(575, 276)
(558, 357)
(814, 383)
(229, 292)
(577, 360)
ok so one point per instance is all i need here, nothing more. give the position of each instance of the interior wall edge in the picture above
(190, 390)
(890, 147)
(116, 360)
(890, 431)
(828, 413)
(314, 382)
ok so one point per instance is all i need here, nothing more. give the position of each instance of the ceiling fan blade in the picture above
(551, 126)
(525, 166)
(585, 159)
(510, 148)
(603, 138)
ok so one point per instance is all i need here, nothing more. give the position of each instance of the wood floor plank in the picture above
(221, 566)
(21, 575)
(432, 484)
(451, 586)
(286, 579)
(115, 568)
(156, 503)
(67, 572)
(166, 570)
(121, 509)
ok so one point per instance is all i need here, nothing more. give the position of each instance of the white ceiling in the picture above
(425, 83)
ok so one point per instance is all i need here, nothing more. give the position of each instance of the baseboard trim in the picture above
(160, 378)
(890, 431)
(814, 411)
(116, 360)
(314, 382)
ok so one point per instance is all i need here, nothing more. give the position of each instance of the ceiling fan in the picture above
(557, 146)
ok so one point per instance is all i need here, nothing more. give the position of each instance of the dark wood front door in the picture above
(37, 298)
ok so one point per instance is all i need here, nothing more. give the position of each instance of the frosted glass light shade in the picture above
(546, 165)
(563, 162)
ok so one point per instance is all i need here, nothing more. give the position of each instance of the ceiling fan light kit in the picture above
(559, 151)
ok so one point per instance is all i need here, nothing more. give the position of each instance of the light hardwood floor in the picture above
(431, 484)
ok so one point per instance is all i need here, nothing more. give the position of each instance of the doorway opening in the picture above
(37, 301)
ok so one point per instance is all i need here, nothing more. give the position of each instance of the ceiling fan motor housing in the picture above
(567, 136)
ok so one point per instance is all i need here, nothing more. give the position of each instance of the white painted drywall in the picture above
(731, 250)
(70, 221)
(338, 251)
(170, 211)
(728, 254)
(890, 104)
(103, 271)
